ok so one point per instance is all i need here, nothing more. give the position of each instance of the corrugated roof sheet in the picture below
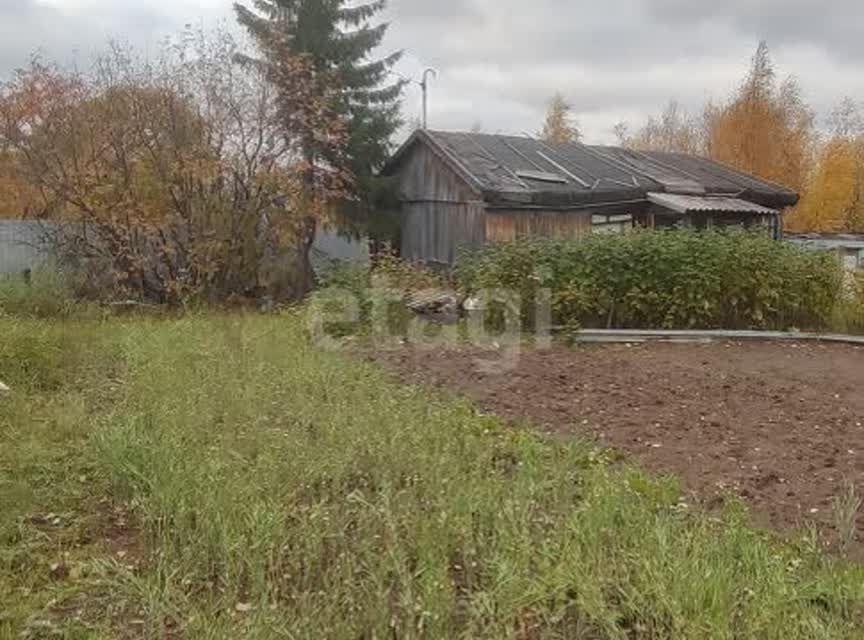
(693, 204)
(502, 168)
(503, 165)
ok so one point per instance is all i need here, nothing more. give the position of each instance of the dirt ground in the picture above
(779, 424)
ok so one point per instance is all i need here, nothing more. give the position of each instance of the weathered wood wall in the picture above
(506, 225)
(440, 212)
(436, 231)
(425, 177)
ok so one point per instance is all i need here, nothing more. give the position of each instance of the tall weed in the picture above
(668, 280)
(289, 491)
(849, 313)
(359, 291)
(40, 294)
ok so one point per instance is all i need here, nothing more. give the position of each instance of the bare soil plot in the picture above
(781, 425)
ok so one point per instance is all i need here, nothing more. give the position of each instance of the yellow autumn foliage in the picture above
(16, 195)
(559, 125)
(833, 200)
(765, 129)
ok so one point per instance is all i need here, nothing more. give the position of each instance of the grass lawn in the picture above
(219, 477)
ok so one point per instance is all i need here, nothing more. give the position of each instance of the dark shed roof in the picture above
(518, 171)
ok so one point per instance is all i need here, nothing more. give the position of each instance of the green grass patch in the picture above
(41, 294)
(61, 374)
(280, 491)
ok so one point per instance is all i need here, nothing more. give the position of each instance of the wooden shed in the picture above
(466, 189)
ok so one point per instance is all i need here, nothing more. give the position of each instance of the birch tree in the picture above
(560, 125)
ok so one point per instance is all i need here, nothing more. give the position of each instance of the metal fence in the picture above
(850, 247)
(21, 248)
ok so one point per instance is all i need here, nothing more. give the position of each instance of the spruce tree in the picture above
(339, 40)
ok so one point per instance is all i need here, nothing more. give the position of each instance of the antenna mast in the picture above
(424, 85)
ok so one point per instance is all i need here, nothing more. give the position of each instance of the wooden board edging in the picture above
(634, 335)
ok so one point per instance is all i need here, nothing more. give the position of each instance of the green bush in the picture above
(663, 279)
(387, 271)
(391, 271)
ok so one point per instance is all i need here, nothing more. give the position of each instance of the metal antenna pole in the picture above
(424, 84)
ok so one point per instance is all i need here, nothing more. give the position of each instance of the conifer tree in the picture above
(339, 40)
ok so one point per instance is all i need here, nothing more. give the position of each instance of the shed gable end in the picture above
(425, 177)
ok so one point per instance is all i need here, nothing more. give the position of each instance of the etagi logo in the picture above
(492, 321)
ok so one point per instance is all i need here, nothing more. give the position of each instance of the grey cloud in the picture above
(66, 35)
(835, 25)
(500, 60)
(510, 32)
(21, 31)
(435, 14)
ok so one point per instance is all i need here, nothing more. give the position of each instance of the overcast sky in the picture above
(500, 60)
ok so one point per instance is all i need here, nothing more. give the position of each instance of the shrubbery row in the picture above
(660, 279)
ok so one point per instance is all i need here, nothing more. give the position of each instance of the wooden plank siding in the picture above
(440, 212)
(424, 177)
(506, 226)
(434, 232)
